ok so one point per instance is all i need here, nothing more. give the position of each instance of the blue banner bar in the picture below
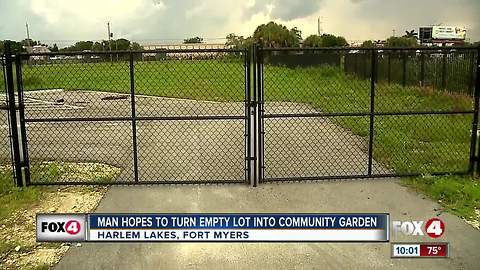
(238, 221)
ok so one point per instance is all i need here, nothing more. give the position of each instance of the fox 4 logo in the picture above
(61, 227)
(71, 227)
(433, 227)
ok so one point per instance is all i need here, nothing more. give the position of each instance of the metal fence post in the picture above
(365, 66)
(355, 64)
(21, 118)
(373, 76)
(404, 68)
(422, 69)
(260, 119)
(255, 118)
(13, 115)
(477, 97)
(134, 117)
(473, 142)
(444, 70)
(389, 68)
(471, 78)
(249, 118)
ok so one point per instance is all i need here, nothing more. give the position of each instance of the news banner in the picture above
(358, 227)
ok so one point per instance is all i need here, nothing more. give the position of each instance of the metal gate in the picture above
(195, 116)
(342, 113)
(140, 117)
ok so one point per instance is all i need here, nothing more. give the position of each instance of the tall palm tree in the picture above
(411, 34)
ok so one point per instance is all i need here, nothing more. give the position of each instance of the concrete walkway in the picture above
(342, 196)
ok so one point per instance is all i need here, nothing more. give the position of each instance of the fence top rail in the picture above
(135, 52)
(370, 49)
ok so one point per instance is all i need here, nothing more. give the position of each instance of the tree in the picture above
(276, 35)
(17, 47)
(83, 45)
(193, 40)
(14, 45)
(79, 46)
(238, 42)
(411, 34)
(297, 33)
(98, 46)
(401, 42)
(53, 48)
(325, 40)
(136, 47)
(121, 44)
(106, 45)
(30, 42)
(234, 41)
(313, 41)
(329, 40)
(368, 44)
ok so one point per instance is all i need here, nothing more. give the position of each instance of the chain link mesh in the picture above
(189, 119)
(318, 112)
(191, 109)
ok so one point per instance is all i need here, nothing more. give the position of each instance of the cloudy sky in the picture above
(152, 21)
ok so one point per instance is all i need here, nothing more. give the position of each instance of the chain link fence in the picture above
(210, 116)
(168, 116)
(347, 113)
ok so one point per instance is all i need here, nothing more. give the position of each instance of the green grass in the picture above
(12, 197)
(404, 144)
(57, 171)
(459, 195)
(184, 79)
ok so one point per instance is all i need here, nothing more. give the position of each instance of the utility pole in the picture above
(28, 35)
(109, 41)
(320, 28)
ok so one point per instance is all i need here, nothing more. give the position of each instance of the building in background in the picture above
(442, 35)
(184, 46)
(37, 49)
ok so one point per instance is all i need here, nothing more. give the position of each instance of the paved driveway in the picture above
(186, 150)
(343, 196)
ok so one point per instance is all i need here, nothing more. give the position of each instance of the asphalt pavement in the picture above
(351, 196)
(168, 149)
